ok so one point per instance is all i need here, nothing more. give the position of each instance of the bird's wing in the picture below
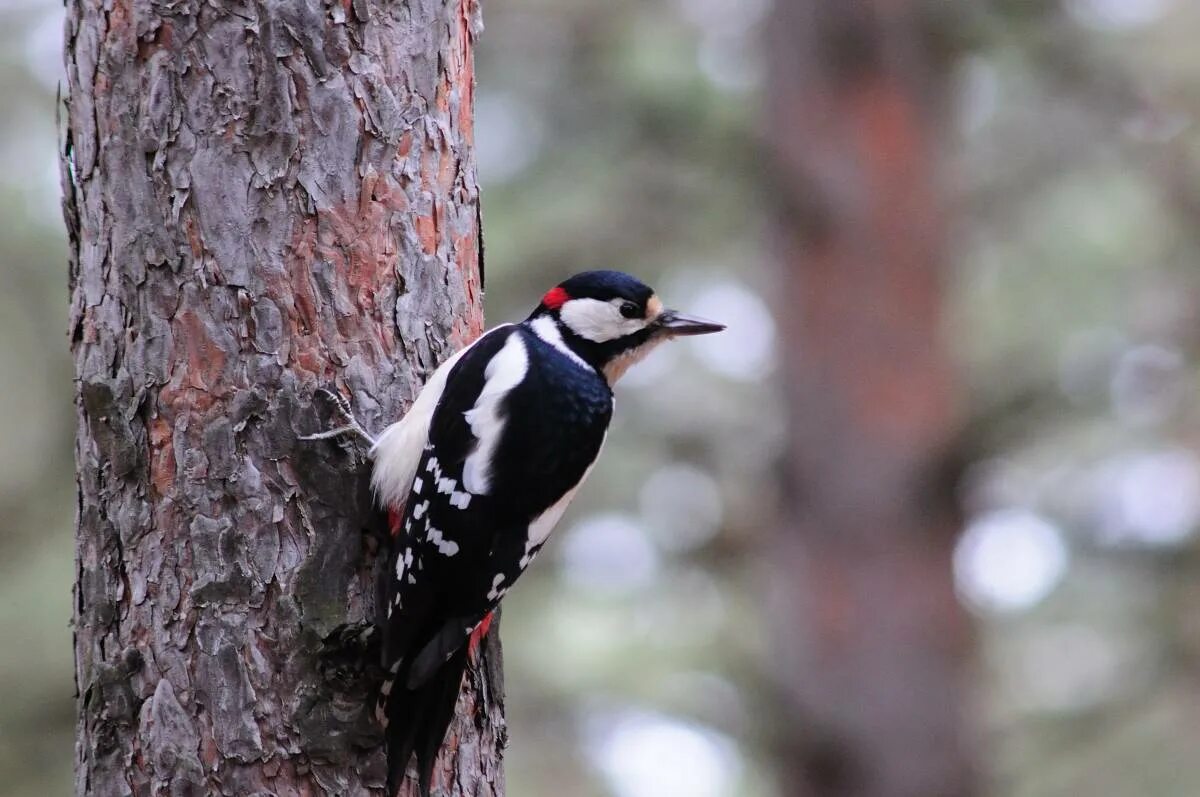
(428, 524)
(398, 450)
(423, 558)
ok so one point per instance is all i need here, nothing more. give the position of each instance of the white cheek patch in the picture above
(597, 321)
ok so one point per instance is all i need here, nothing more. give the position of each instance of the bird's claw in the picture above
(352, 426)
(339, 401)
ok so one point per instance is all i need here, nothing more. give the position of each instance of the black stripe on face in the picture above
(599, 354)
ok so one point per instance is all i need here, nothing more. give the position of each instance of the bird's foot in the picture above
(352, 426)
(349, 652)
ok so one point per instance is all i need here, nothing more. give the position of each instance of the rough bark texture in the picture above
(262, 198)
(877, 653)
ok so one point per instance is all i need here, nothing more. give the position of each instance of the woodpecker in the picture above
(477, 473)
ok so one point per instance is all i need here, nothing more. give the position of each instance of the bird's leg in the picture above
(352, 426)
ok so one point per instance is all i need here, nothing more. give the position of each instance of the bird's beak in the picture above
(672, 325)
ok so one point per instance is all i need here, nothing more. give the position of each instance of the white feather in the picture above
(599, 321)
(544, 523)
(397, 452)
(547, 329)
(539, 530)
(504, 372)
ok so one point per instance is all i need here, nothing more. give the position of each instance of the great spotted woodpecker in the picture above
(479, 471)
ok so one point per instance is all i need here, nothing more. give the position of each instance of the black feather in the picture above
(449, 639)
(418, 720)
(443, 689)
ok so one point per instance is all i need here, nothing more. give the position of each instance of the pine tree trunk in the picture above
(262, 199)
(875, 648)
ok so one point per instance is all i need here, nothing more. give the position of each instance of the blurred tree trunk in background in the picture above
(874, 644)
(261, 199)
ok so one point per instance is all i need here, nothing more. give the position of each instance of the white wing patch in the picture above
(446, 486)
(496, 591)
(504, 372)
(402, 564)
(398, 450)
(445, 547)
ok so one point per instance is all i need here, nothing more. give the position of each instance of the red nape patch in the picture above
(394, 521)
(555, 298)
(476, 640)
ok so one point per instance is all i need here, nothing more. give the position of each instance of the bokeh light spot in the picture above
(1009, 560)
(745, 350)
(608, 553)
(644, 754)
(682, 507)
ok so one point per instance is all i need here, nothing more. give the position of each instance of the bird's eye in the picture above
(630, 310)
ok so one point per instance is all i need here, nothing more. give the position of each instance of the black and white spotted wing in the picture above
(471, 526)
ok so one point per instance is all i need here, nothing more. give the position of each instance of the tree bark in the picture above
(874, 645)
(262, 199)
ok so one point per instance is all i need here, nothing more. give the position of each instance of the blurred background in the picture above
(951, 431)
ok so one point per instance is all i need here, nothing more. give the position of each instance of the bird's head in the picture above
(611, 320)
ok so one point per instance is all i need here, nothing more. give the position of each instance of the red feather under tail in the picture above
(475, 643)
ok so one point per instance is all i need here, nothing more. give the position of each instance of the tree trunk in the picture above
(262, 199)
(874, 644)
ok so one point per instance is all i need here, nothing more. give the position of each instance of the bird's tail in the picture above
(416, 720)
